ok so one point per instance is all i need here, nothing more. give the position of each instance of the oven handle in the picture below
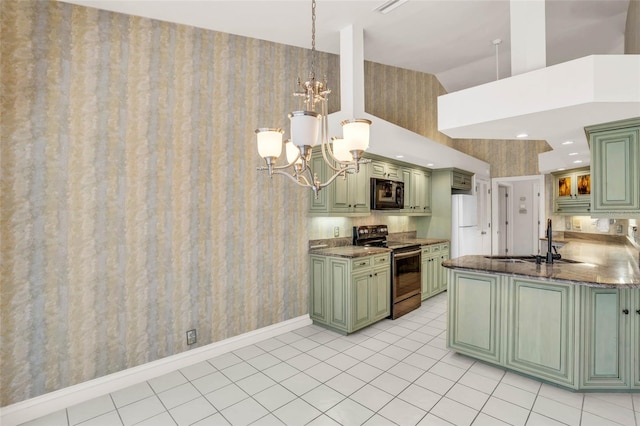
(407, 254)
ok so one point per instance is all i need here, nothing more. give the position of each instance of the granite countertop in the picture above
(350, 251)
(603, 264)
(420, 241)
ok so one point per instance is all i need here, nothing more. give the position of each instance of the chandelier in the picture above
(342, 155)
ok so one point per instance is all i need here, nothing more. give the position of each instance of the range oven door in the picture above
(407, 278)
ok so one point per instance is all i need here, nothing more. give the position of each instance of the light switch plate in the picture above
(336, 231)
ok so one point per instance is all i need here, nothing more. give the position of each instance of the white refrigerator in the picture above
(465, 234)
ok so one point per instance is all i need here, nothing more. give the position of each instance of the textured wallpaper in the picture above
(410, 99)
(405, 98)
(131, 208)
(509, 157)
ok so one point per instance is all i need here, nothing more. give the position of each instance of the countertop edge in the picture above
(448, 264)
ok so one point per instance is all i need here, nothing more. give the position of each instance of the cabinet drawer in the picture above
(444, 247)
(361, 263)
(381, 260)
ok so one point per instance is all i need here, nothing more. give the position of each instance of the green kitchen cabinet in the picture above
(348, 196)
(461, 179)
(615, 168)
(475, 315)
(634, 297)
(417, 191)
(349, 294)
(577, 336)
(541, 329)
(384, 170)
(606, 333)
(434, 275)
(351, 195)
(321, 203)
(572, 192)
(443, 276)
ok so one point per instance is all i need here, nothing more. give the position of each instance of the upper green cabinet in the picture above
(572, 191)
(417, 191)
(352, 196)
(384, 170)
(615, 168)
(344, 197)
(461, 180)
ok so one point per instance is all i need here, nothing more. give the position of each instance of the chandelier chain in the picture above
(313, 37)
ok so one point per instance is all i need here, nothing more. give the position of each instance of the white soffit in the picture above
(388, 139)
(552, 104)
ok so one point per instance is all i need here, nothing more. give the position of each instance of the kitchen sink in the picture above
(526, 259)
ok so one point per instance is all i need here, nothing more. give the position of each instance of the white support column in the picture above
(352, 71)
(528, 37)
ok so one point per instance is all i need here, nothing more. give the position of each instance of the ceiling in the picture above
(451, 39)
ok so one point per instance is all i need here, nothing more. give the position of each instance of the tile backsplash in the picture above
(324, 227)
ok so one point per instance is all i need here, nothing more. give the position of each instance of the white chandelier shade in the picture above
(305, 128)
(356, 134)
(340, 150)
(269, 142)
(310, 128)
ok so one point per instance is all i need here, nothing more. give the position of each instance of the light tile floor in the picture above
(391, 373)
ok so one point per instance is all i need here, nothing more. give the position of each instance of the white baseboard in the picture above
(33, 408)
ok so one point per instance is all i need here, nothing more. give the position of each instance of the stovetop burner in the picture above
(376, 236)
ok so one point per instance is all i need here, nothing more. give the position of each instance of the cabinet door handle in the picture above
(363, 263)
(370, 276)
(625, 311)
(638, 312)
(376, 274)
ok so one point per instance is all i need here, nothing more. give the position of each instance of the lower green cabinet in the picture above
(349, 294)
(573, 335)
(611, 346)
(434, 275)
(541, 329)
(603, 346)
(635, 331)
(474, 315)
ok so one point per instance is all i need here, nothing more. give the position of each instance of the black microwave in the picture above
(387, 194)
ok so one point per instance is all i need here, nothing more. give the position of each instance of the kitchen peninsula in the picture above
(575, 322)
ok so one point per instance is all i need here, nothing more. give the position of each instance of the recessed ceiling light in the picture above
(577, 161)
(430, 164)
(399, 156)
(561, 168)
(522, 135)
(573, 153)
(567, 142)
(388, 6)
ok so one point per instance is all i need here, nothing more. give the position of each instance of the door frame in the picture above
(538, 181)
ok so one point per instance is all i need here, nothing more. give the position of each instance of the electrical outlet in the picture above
(191, 337)
(336, 231)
